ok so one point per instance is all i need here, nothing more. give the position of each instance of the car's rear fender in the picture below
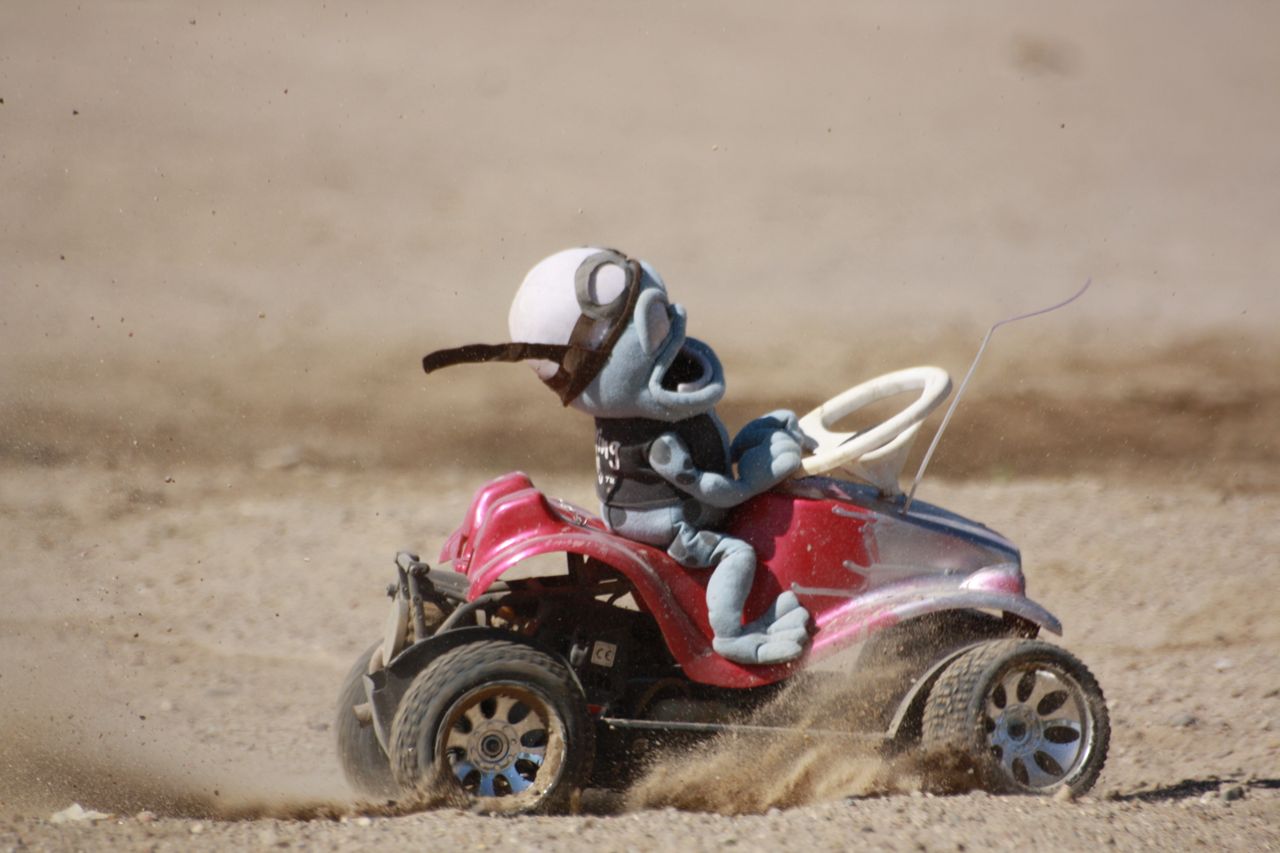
(511, 522)
(658, 594)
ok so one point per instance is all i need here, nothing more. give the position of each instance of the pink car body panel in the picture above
(857, 564)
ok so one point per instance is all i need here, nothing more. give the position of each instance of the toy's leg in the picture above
(779, 635)
(729, 585)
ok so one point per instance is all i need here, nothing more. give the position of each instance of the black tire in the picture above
(498, 724)
(893, 661)
(363, 762)
(1029, 716)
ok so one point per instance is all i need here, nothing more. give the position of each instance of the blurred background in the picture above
(232, 229)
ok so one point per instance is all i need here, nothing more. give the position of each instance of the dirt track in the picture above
(177, 650)
(228, 236)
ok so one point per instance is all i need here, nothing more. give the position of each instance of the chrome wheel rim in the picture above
(502, 741)
(1038, 725)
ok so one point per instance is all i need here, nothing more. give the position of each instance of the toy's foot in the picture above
(759, 648)
(779, 635)
(784, 617)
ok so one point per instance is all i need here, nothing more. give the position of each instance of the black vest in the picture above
(624, 476)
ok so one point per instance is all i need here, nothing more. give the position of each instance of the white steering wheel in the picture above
(888, 440)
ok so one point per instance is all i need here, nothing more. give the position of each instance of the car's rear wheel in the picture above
(1030, 716)
(499, 724)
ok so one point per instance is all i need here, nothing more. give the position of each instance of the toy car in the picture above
(514, 689)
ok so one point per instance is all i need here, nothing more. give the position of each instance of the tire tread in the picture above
(364, 764)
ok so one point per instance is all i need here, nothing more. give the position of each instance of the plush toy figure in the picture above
(599, 330)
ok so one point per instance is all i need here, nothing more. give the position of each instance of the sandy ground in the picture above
(228, 233)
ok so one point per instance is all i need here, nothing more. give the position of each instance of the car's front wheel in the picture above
(1029, 715)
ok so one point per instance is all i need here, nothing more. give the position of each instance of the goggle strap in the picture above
(480, 353)
(573, 363)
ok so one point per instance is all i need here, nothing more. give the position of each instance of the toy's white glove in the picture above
(761, 467)
(769, 462)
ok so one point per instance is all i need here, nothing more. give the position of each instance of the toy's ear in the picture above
(653, 321)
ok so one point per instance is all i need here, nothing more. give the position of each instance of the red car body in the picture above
(856, 561)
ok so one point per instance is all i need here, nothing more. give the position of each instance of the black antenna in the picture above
(937, 436)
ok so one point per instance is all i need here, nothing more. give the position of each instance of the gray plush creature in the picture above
(600, 331)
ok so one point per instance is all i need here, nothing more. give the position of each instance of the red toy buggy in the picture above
(514, 688)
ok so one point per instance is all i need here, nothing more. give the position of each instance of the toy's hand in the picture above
(770, 462)
(761, 430)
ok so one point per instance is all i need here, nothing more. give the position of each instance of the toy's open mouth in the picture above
(690, 371)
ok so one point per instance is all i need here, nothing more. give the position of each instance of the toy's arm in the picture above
(761, 468)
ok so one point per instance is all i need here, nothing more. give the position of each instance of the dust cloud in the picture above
(826, 748)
